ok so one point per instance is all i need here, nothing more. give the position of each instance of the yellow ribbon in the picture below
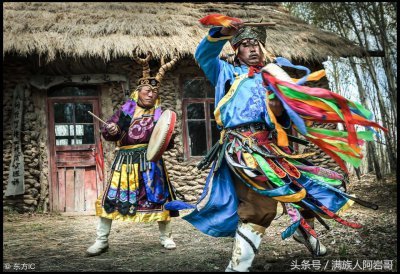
(282, 136)
(221, 136)
(315, 76)
(249, 160)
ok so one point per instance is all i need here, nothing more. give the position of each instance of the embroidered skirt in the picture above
(137, 190)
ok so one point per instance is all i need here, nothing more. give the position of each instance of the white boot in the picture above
(247, 240)
(101, 244)
(165, 234)
(318, 249)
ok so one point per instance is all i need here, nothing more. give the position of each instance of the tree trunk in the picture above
(380, 33)
(372, 154)
(382, 108)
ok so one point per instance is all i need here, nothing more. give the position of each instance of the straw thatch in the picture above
(111, 30)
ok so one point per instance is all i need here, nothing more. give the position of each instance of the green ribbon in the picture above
(356, 162)
(330, 181)
(338, 144)
(269, 172)
(364, 135)
(365, 112)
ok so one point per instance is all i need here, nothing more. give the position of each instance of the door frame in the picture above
(51, 144)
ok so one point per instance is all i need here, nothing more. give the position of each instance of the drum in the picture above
(161, 135)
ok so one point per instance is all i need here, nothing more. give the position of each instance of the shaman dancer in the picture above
(137, 189)
(253, 166)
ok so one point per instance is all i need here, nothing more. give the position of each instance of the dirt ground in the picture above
(51, 242)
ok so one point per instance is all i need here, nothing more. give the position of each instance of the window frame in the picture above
(207, 116)
(74, 123)
(94, 100)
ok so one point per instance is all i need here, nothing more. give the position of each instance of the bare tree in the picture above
(373, 26)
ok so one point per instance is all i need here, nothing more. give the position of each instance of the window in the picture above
(200, 129)
(73, 125)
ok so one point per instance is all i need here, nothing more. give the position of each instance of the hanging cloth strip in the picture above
(305, 105)
(286, 178)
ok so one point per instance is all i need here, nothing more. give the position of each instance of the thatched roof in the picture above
(112, 30)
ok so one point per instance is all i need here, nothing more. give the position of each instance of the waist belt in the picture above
(130, 156)
(253, 127)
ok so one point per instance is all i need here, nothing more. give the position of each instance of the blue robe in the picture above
(215, 213)
(219, 216)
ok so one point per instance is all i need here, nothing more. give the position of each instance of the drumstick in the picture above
(97, 118)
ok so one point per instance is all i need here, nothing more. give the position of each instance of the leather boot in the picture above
(318, 249)
(247, 240)
(101, 244)
(165, 234)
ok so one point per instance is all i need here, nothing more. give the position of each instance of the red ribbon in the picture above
(254, 69)
(98, 155)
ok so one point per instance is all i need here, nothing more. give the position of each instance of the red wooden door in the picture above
(74, 137)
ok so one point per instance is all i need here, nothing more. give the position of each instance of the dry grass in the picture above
(57, 243)
(111, 30)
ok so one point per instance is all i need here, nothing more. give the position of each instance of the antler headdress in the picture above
(154, 82)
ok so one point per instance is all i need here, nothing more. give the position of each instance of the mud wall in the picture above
(184, 174)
